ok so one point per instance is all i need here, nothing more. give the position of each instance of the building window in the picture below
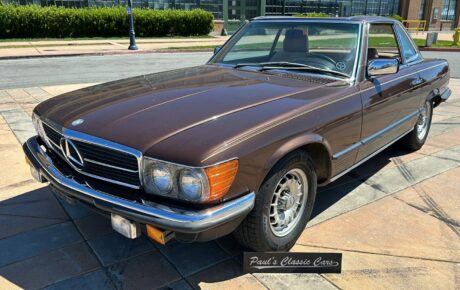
(422, 10)
(342, 8)
(448, 9)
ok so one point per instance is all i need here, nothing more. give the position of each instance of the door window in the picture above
(409, 52)
(382, 42)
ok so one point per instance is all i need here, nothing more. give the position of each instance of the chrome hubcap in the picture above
(288, 202)
(423, 122)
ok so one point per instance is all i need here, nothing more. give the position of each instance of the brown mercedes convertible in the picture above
(241, 143)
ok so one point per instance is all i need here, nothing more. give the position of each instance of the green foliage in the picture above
(57, 22)
(312, 14)
(397, 17)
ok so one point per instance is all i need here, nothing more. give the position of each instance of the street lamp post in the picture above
(132, 35)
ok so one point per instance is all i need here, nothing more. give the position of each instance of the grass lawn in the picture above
(439, 43)
(99, 38)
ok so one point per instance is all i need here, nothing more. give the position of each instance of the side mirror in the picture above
(382, 66)
(216, 49)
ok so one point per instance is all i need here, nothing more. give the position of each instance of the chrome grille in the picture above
(52, 135)
(100, 162)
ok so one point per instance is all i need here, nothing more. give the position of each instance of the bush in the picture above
(312, 14)
(56, 22)
(397, 17)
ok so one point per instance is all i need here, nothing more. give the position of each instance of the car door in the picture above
(388, 100)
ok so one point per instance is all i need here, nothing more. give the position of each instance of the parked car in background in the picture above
(241, 143)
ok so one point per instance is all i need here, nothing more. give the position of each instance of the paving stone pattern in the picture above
(396, 219)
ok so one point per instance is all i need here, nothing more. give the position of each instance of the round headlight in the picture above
(191, 185)
(161, 178)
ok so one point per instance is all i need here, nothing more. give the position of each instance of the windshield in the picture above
(314, 47)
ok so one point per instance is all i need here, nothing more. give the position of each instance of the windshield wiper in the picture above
(285, 65)
(271, 63)
(238, 65)
(300, 66)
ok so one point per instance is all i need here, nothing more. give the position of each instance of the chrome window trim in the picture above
(376, 135)
(292, 19)
(417, 58)
(358, 56)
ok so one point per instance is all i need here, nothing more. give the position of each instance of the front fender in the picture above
(299, 142)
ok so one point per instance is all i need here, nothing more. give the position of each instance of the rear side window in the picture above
(408, 50)
(382, 42)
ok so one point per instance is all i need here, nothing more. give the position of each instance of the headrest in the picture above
(295, 41)
(372, 53)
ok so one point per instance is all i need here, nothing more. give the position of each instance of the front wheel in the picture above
(283, 206)
(417, 137)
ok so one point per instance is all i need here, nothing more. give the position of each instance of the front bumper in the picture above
(446, 94)
(165, 217)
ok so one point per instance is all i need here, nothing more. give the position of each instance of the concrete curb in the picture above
(164, 51)
(439, 49)
(104, 53)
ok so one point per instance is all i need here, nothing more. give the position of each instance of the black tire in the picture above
(255, 231)
(412, 141)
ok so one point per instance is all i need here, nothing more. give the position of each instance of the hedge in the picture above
(33, 21)
(397, 17)
(312, 14)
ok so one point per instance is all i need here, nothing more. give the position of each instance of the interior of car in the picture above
(308, 44)
(295, 48)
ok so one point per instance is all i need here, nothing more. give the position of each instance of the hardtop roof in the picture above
(328, 19)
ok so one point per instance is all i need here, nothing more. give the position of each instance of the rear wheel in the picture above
(415, 139)
(283, 206)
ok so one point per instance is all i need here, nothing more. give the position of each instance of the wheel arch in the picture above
(314, 145)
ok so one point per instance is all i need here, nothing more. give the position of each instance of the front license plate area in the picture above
(127, 228)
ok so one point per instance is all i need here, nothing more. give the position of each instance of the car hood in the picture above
(144, 111)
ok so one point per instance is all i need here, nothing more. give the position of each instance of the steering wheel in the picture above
(318, 60)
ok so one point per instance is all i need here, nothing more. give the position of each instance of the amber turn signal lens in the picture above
(220, 178)
(159, 236)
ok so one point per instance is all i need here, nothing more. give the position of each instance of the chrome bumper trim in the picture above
(187, 221)
(446, 94)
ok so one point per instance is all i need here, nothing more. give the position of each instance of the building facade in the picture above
(439, 14)
(333, 7)
(251, 7)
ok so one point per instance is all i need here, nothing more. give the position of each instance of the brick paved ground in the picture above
(396, 219)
